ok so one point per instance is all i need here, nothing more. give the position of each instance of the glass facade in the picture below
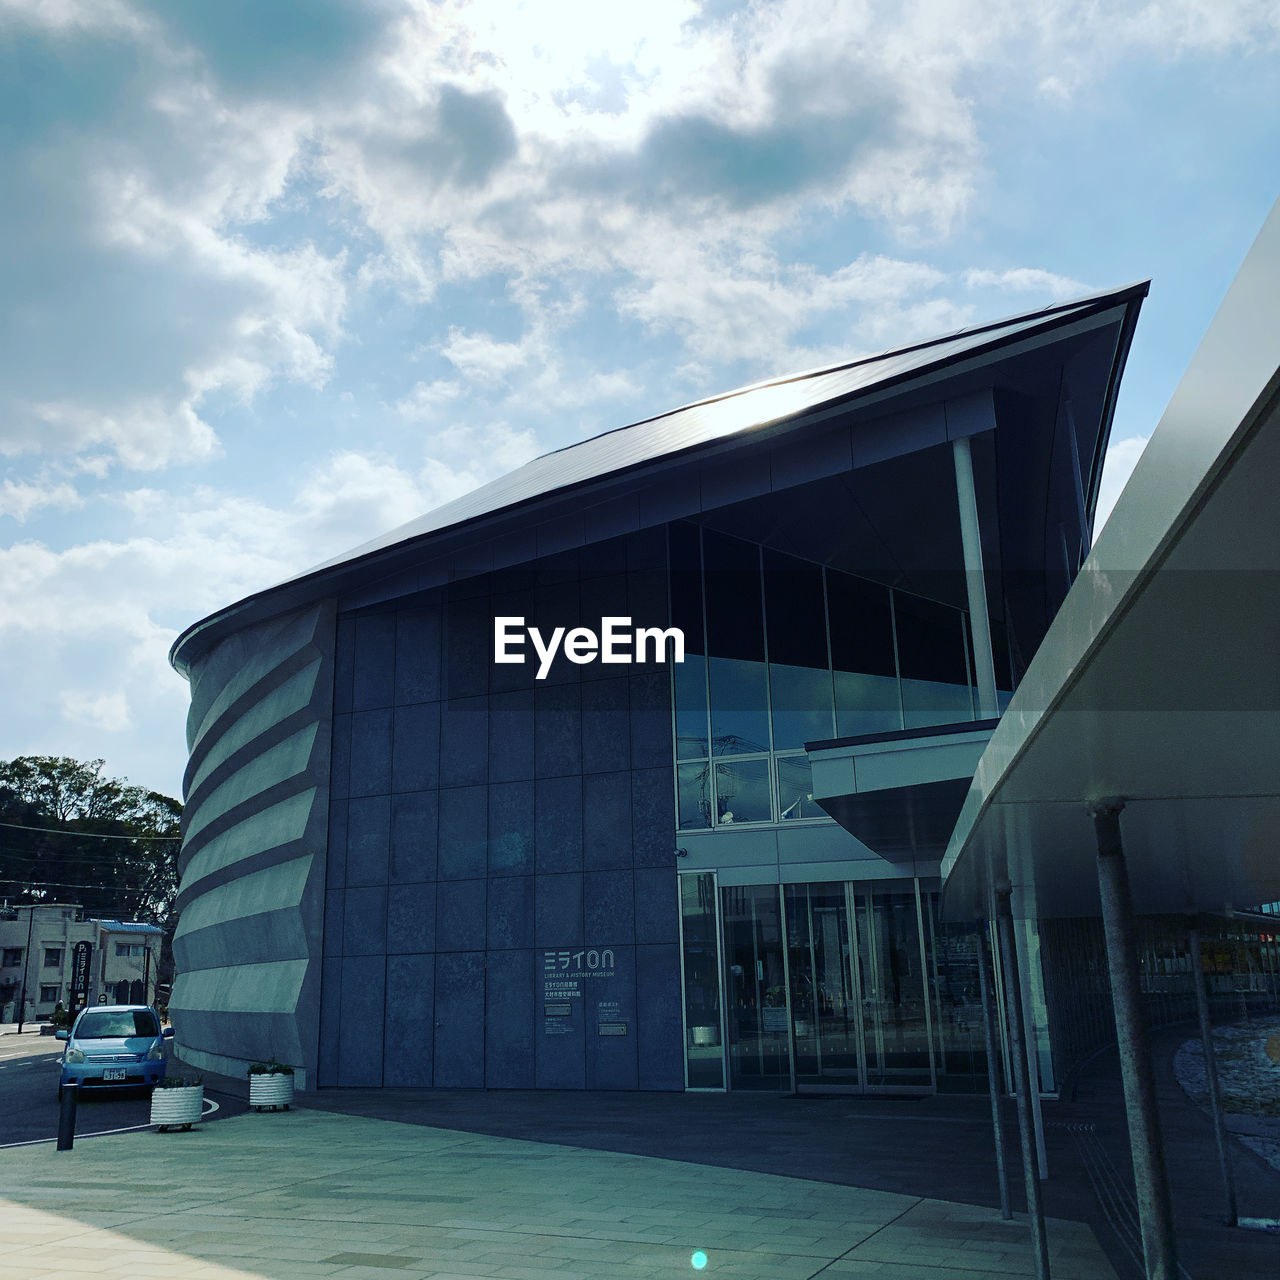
(845, 985)
(779, 652)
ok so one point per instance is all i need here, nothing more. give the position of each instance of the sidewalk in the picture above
(304, 1193)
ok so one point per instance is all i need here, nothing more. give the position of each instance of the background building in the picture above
(36, 944)
(408, 865)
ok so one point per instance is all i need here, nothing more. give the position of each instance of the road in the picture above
(29, 1097)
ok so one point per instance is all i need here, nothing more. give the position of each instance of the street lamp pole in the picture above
(26, 963)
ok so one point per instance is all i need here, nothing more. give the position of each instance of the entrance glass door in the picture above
(895, 1008)
(755, 988)
(824, 1000)
(859, 1007)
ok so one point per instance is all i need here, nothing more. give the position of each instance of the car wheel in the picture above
(59, 1093)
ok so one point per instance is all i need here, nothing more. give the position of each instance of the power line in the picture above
(94, 860)
(62, 884)
(81, 835)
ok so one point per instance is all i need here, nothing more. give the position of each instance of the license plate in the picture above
(113, 1073)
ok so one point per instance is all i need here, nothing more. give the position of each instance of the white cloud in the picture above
(20, 499)
(1122, 457)
(107, 711)
(483, 358)
(1025, 280)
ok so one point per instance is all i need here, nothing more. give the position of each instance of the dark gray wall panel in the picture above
(511, 829)
(417, 655)
(409, 1033)
(558, 911)
(651, 720)
(531, 816)
(459, 1030)
(462, 852)
(511, 736)
(371, 753)
(414, 821)
(360, 1030)
(653, 817)
(657, 911)
(411, 918)
(557, 731)
(364, 921)
(368, 840)
(608, 907)
(660, 1062)
(558, 823)
(606, 821)
(510, 912)
(509, 1002)
(415, 752)
(373, 674)
(606, 729)
(464, 742)
(330, 1021)
(461, 917)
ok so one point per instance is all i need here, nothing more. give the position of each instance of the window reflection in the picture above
(932, 662)
(795, 789)
(693, 784)
(739, 707)
(862, 653)
(801, 700)
(742, 792)
(781, 652)
(799, 668)
(690, 678)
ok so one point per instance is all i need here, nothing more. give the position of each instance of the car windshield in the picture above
(113, 1023)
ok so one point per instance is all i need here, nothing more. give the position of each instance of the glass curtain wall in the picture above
(780, 651)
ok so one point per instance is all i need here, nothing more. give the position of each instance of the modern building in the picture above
(408, 862)
(37, 945)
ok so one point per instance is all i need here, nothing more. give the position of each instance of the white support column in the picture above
(975, 580)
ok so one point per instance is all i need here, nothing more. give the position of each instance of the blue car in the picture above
(118, 1046)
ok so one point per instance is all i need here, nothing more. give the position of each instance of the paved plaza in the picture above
(279, 1196)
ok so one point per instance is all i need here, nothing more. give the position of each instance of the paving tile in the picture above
(330, 1195)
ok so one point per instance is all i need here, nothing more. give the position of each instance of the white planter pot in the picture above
(271, 1090)
(171, 1108)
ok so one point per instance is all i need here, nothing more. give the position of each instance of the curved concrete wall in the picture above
(248, 944)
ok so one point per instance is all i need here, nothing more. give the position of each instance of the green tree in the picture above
(71, 833)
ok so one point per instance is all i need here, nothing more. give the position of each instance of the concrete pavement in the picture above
(285, 1195)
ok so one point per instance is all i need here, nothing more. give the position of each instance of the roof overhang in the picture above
(722, 450)
(1159, 680)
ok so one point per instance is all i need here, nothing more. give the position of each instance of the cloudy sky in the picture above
(280, 274)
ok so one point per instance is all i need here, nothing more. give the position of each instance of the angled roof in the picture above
(714, 419)
(744, 415)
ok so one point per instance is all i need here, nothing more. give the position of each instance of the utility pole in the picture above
(146, 971)
(26, 963)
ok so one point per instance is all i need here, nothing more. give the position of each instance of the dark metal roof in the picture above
(695, 427)
(708, 420)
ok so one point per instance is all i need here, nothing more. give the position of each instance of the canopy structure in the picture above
(1158, 683)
